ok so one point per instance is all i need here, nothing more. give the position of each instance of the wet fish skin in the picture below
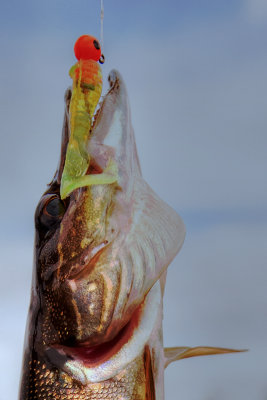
(95, 321)
(46, 382)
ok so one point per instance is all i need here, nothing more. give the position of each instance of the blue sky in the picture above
(206, 60)
(196, 73)
(60, 14)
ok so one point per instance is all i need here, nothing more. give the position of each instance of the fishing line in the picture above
(102, 24)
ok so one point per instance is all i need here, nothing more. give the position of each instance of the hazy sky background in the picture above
(196, 73)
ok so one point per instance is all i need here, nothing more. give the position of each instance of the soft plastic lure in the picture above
(86, 91)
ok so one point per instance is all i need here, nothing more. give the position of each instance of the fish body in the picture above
(94, 327)
(95, 321)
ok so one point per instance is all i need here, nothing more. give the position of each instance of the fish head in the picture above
(100, 251)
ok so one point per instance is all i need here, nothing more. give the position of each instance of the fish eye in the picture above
(96, 44)
(50, 211)
(54, 207)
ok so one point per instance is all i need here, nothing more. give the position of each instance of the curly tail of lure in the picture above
(86, 91)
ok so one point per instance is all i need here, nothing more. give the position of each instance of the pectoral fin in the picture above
(178, 353)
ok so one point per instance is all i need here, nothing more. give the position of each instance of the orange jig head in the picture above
(88, 48)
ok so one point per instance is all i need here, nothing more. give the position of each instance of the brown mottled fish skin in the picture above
(45, 382)
(94, 327)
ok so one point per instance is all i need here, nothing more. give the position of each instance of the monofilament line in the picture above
(102, 24)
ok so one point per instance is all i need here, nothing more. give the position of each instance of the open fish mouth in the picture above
(100, 264)
(108, 144)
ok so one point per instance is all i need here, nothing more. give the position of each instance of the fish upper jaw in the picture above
(113, 128)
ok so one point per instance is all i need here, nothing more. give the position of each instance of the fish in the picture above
(94, 328)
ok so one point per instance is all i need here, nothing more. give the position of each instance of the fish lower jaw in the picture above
(101, 362)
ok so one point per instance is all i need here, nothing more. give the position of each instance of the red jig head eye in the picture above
(87, 48)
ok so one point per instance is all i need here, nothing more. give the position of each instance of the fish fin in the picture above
(150, 385)
(178, 353)
(156, 235)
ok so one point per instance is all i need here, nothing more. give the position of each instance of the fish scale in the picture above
(42, 382)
